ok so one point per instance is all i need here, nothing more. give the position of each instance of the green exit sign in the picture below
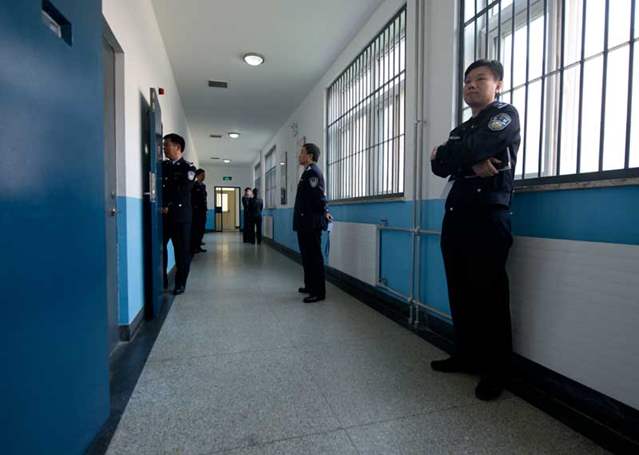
(227, 178)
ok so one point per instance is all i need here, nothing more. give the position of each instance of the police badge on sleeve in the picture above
(313, 181)
(499, 122)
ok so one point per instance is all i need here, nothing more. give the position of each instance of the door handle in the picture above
(114, 211)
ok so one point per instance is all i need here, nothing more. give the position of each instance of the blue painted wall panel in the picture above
(55, 384)
(395, 260)
(593, 215)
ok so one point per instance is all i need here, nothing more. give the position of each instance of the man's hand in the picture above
(486, 168)
(329, 217)
(433, 154)
(165, 210)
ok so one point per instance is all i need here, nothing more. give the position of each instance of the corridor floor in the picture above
(243, 367)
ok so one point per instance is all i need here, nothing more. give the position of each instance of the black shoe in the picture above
(489, 388)
(200, 250)
(202, 243)
(452, 365)
(178, 290)
(313, 299)
(303, 291)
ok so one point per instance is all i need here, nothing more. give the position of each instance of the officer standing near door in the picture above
(479, 157)
(178, 177)
(310, 217)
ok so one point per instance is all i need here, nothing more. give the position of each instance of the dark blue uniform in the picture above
(309, 219)
(177, 182)
(198, 201)
(476, 235)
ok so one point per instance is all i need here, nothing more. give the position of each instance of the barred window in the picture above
(270, 177)
(571, 72)
(366, 119)
(258, 176)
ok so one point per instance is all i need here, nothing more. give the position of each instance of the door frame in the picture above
(239, 202)
(120, 165)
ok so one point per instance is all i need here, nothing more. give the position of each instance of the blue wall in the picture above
(598, 215)
(54, 355)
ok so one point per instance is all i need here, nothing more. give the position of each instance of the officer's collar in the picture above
(177, 161)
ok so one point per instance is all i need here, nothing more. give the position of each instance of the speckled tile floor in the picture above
(243, 367)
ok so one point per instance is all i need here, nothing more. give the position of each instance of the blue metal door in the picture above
(153, 251)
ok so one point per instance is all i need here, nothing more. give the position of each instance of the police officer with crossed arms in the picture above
(479, 159)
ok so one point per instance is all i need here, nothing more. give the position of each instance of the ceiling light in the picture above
(282, 164)
(227, 161)
(253, 59)
(234, 135)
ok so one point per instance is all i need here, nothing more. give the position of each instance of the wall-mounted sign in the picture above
(227, 178)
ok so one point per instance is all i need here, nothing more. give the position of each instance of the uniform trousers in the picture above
(310, 243)
(180, 235)
(197, 230)
(475, 244)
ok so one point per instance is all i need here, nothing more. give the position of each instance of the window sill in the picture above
(369, 200)
(528, 188)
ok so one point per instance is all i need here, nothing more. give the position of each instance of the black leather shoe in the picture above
(178, 291)
(201, 250)
(303, 291)
(452, 365)
(489, 388)
(313, 299)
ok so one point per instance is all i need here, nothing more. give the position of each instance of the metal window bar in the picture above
(364, 160)
(631, 57)
(604, 83)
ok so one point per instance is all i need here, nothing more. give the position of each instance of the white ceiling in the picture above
(205, 40)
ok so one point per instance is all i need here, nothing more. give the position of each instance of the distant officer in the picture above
(479, 157)
(246, 199)
(198, 200)
(310, 217)
(255, 207)
(178, 177)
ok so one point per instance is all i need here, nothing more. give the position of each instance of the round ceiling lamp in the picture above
(227, 161)
(234, 135)
(253, 59)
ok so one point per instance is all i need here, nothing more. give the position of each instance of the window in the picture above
(258, 177)
(223, 201)
(270, 177)
(366, 119)
(570, 70)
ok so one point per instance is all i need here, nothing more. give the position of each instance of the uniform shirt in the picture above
(255, 207)
(494, 132)
(177, 182)
(198, 198)
(310, 201)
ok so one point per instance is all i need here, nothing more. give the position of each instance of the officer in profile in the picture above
(255, 207)
(246, 200)
(178, 177)
(479, 159)
(310, 217)
(198, 201)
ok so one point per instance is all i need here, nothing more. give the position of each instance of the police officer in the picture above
(479, 157)
(178, 177)
(246, 200)
(310, 217)
(198, 201)
(255, 207)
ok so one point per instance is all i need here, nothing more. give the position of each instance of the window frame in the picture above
(552, 100)
(371, 96)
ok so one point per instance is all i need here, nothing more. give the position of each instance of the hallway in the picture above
(242, 366)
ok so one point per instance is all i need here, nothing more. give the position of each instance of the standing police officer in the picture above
(198, 201)
(178, 176)
(479, 157)
(310, 217)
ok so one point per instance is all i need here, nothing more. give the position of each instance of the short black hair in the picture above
(312, 150)
(200, 171)
(176, 139)
(255, 191)
(493, 65)
(247, 188)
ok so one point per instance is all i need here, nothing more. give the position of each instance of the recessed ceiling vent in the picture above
(216, 136)
(218, 84)
(215, 157)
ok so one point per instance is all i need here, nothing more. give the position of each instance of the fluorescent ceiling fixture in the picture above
(253, 59)
(234, 135)
(282, 164)
(227, 161)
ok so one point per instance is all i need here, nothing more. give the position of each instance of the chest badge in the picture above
(499, 122)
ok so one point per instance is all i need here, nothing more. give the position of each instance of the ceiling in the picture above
(205, 40)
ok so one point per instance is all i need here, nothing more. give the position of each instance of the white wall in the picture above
(146, 65)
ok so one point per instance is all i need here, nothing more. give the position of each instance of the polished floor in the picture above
(243, 367)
